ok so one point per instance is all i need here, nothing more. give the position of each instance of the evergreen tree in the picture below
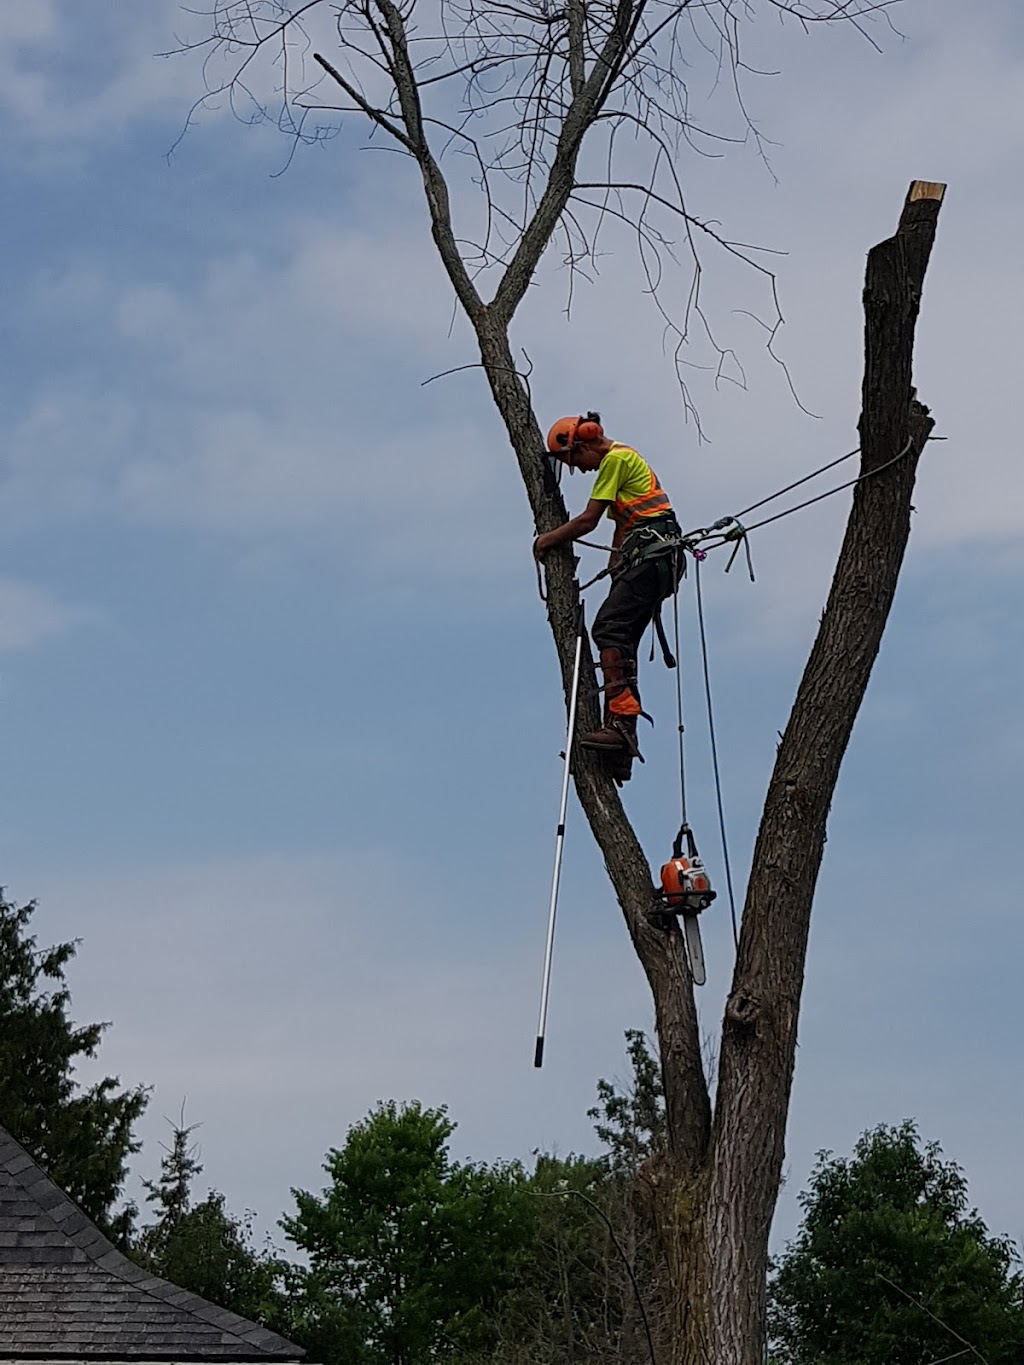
(82, 1137)
(203, 1247)
(631, 1123)
(891, 1268)
(179, 1166)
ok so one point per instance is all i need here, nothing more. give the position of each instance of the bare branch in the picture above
(944, 1325)
(377, 115)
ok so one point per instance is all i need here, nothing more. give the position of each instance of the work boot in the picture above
(615, 741)
(617, 736)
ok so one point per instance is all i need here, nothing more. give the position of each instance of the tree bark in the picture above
(660, 952)
(759, 1030)
(715, 1189)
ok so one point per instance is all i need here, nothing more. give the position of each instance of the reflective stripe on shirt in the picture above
(628, 512)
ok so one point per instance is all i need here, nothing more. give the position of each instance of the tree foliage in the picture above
(589, 1289)
(890, 1267)
(203, 1247)
(571, 1303)
(83, 1137)
(631, 1122)
(408, 1251)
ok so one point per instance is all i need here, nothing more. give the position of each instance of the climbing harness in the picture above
(685, 890)
(655, 539)
(542, 1022)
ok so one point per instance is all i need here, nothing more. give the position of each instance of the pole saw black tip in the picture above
(538, 1053)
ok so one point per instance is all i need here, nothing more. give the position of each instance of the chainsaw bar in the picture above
(694, 948)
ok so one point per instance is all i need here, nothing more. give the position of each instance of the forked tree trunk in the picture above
(716, 1187)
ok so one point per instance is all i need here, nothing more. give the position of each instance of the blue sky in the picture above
(279, 705)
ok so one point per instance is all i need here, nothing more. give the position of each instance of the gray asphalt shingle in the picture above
(67, 1292)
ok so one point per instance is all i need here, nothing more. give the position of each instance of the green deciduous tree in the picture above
(589, 1291)
(890, 1267)
(571, 1303)
(82, 1137)
(408, 1250)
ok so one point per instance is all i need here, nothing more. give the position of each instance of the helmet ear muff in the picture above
(568, 432)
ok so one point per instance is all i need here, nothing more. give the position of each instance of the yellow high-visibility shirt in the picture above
(629, 484)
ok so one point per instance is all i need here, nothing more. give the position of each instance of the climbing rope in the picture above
(740, 531)
(732, 529)
(677, 567)
(714, 755)
(796, 484)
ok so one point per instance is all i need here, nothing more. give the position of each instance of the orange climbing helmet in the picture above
(567, 433)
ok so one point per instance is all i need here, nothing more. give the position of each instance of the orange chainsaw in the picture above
(686, 890)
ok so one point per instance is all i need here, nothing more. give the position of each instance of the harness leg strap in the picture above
(666, 652)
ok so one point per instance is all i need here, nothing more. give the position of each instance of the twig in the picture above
(558, 1194)
(944, 1325)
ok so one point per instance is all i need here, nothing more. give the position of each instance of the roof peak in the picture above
(68, 1294)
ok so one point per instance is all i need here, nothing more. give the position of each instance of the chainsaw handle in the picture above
(685, 832)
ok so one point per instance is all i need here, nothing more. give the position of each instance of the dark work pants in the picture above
(627, 610)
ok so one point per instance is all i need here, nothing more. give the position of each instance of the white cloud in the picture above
(30, 614)
(23, 91)
(279, 393)
(264, 400)
(131, 63)
(54, 104)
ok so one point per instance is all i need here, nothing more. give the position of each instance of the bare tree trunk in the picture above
(738, 1192)
(660, 953)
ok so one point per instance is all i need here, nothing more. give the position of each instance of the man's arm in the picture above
(572, 529)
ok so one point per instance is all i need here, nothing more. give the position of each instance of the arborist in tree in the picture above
(645, 566)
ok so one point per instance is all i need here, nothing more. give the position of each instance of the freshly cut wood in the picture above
(926, 189)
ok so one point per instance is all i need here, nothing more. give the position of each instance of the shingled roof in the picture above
(68, 1294)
